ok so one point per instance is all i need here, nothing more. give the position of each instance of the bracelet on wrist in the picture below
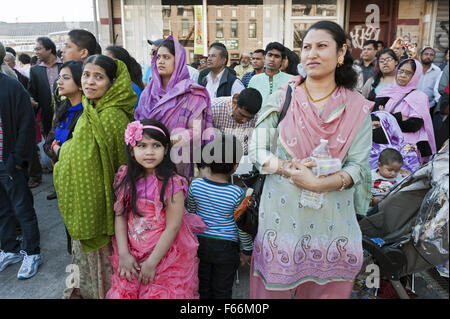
(344, 185)
(53, 145)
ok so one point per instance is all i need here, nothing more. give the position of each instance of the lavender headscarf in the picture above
(416, 102)
(395, 139)
(178, 105)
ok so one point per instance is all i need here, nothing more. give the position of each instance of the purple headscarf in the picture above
(394, 136)
(178, 105)
(414, 105)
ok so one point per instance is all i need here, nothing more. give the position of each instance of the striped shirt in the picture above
(1, 141)
(215, 203)
(222, 109)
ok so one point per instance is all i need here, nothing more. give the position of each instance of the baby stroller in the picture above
(408, 231)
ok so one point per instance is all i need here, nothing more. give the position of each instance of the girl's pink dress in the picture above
(176, 275)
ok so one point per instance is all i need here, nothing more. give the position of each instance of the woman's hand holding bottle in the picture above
(301, 174)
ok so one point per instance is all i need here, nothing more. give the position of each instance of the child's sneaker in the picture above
(7, 259)
(29, 266)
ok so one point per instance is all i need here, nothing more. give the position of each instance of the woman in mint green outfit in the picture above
(301, 252)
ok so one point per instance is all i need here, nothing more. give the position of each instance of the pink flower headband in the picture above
(134, 130)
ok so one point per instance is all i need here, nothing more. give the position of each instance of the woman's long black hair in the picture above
(134, 68)
(345, 75)
(76, 68)
(293, 62)
(164, 171)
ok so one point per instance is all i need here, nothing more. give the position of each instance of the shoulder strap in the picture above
(400, 101)
(286, 104)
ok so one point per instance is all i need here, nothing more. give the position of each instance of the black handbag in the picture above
(248, 220)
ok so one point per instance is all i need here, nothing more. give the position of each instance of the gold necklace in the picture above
(318, 100)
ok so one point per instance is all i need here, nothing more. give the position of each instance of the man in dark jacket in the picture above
(220, 81)
(17, 140)
(41, 88)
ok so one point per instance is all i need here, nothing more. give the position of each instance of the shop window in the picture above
(184, 28)
(234, 29)
(314, 8)
(166, 12)
(166, 28)
(219, 29)
(252, 29)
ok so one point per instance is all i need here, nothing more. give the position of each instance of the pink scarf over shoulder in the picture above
(303, 126)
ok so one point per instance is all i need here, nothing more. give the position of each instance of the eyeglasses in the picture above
(407, 73)
(387, 60)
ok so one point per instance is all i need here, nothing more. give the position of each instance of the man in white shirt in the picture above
(220, 81)
(431, 74)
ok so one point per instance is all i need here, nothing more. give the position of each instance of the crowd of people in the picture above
(142, 161)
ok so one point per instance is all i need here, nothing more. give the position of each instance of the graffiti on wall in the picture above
(371, 30)
(361, 33)
(444, 26)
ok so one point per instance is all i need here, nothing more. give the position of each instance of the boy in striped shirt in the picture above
(214, 199)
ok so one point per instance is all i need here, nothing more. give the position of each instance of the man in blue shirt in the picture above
(257, 64)
(154, 47)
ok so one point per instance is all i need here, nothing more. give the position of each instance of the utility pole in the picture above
(94, 8)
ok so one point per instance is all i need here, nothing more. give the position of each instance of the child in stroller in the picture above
(407, 232)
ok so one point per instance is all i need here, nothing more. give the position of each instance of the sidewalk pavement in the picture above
(50, 281)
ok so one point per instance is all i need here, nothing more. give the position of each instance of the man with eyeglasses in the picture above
(272, 78)
(202, 63)
(430, 76)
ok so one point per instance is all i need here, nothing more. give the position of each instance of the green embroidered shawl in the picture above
(84, 174)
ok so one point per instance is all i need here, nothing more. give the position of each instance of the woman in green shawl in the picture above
(84, 175)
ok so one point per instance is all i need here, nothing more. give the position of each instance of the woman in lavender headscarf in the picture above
(387, 134)
(410, 108)
(183, 106)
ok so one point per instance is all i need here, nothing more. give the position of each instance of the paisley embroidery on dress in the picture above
(283, 201)
(336, 250)
(352, 259)
(294, 223)
(341, 139)
(366, 108)
(277, 218)
(292, 142)
(283, 257)
(268, 244)
(300, 251)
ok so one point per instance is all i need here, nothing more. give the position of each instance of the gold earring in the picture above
(340, 61)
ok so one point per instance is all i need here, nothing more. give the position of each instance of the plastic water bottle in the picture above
(325, 165)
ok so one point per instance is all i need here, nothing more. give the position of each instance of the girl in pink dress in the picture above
(155, 251)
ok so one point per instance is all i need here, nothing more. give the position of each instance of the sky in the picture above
(46, 11)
